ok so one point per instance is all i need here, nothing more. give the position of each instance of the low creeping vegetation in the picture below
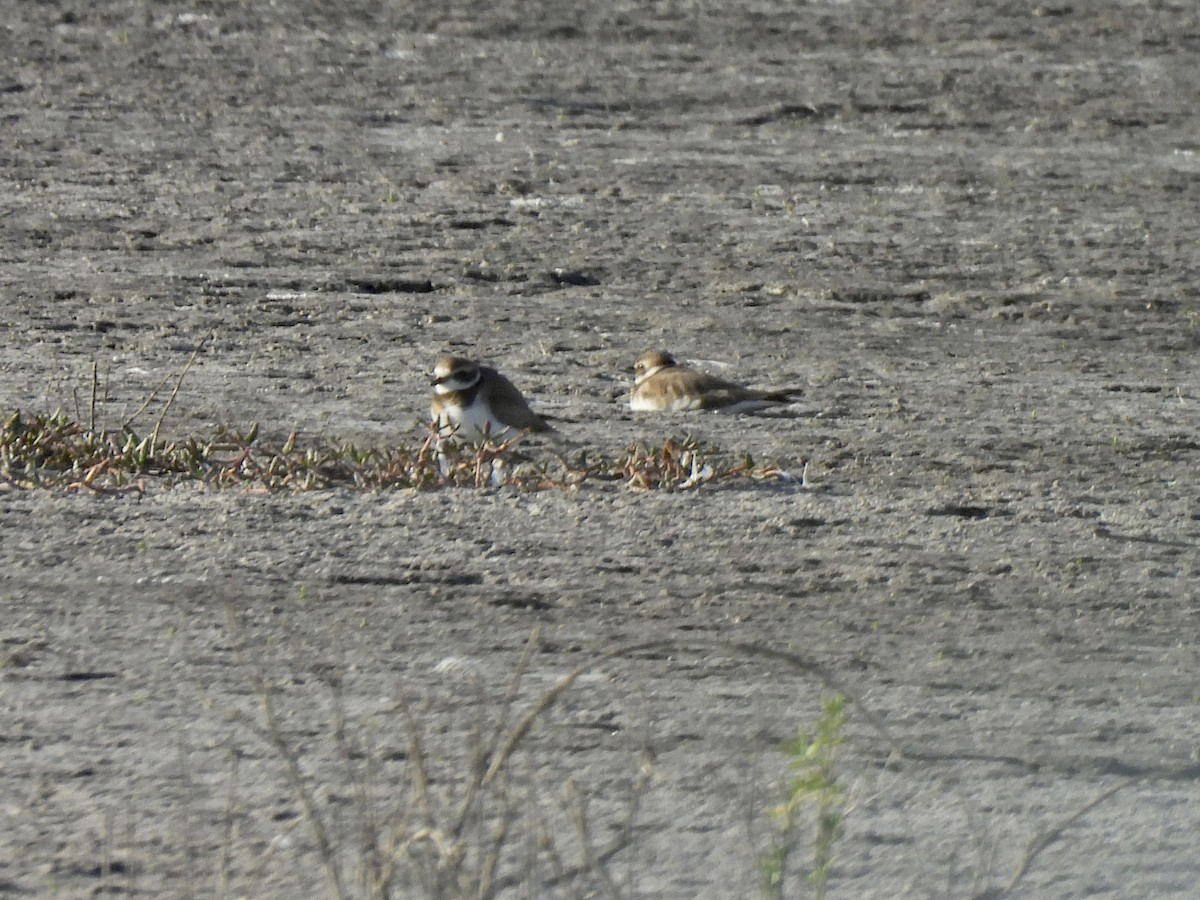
(54, 451)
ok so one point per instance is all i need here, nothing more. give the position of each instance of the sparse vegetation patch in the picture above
(55, 451)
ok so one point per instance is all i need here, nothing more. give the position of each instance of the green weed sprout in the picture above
(814, 785)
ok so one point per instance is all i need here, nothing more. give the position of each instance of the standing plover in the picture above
(475, 402)
(661, 384)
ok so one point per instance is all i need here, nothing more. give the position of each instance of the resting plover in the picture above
(661, 384)
(474, 402)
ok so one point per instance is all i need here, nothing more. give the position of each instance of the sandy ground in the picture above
(968, 236)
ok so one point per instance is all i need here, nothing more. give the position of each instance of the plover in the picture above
(474, 402)
(661, 384)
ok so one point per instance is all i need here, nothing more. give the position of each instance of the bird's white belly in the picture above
(645, 402)
(472, 423)
(686, 402)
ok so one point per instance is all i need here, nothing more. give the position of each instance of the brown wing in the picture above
(510, 405)
(713, 392)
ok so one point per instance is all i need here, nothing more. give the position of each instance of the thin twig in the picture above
(416, 757)
(489, 754)
(589, 862)
(225, 855)
(175, 393)
(272, 735)
(1047, 837)
(128, 423)
(501, 830)
(92, 402)
(753, 651)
